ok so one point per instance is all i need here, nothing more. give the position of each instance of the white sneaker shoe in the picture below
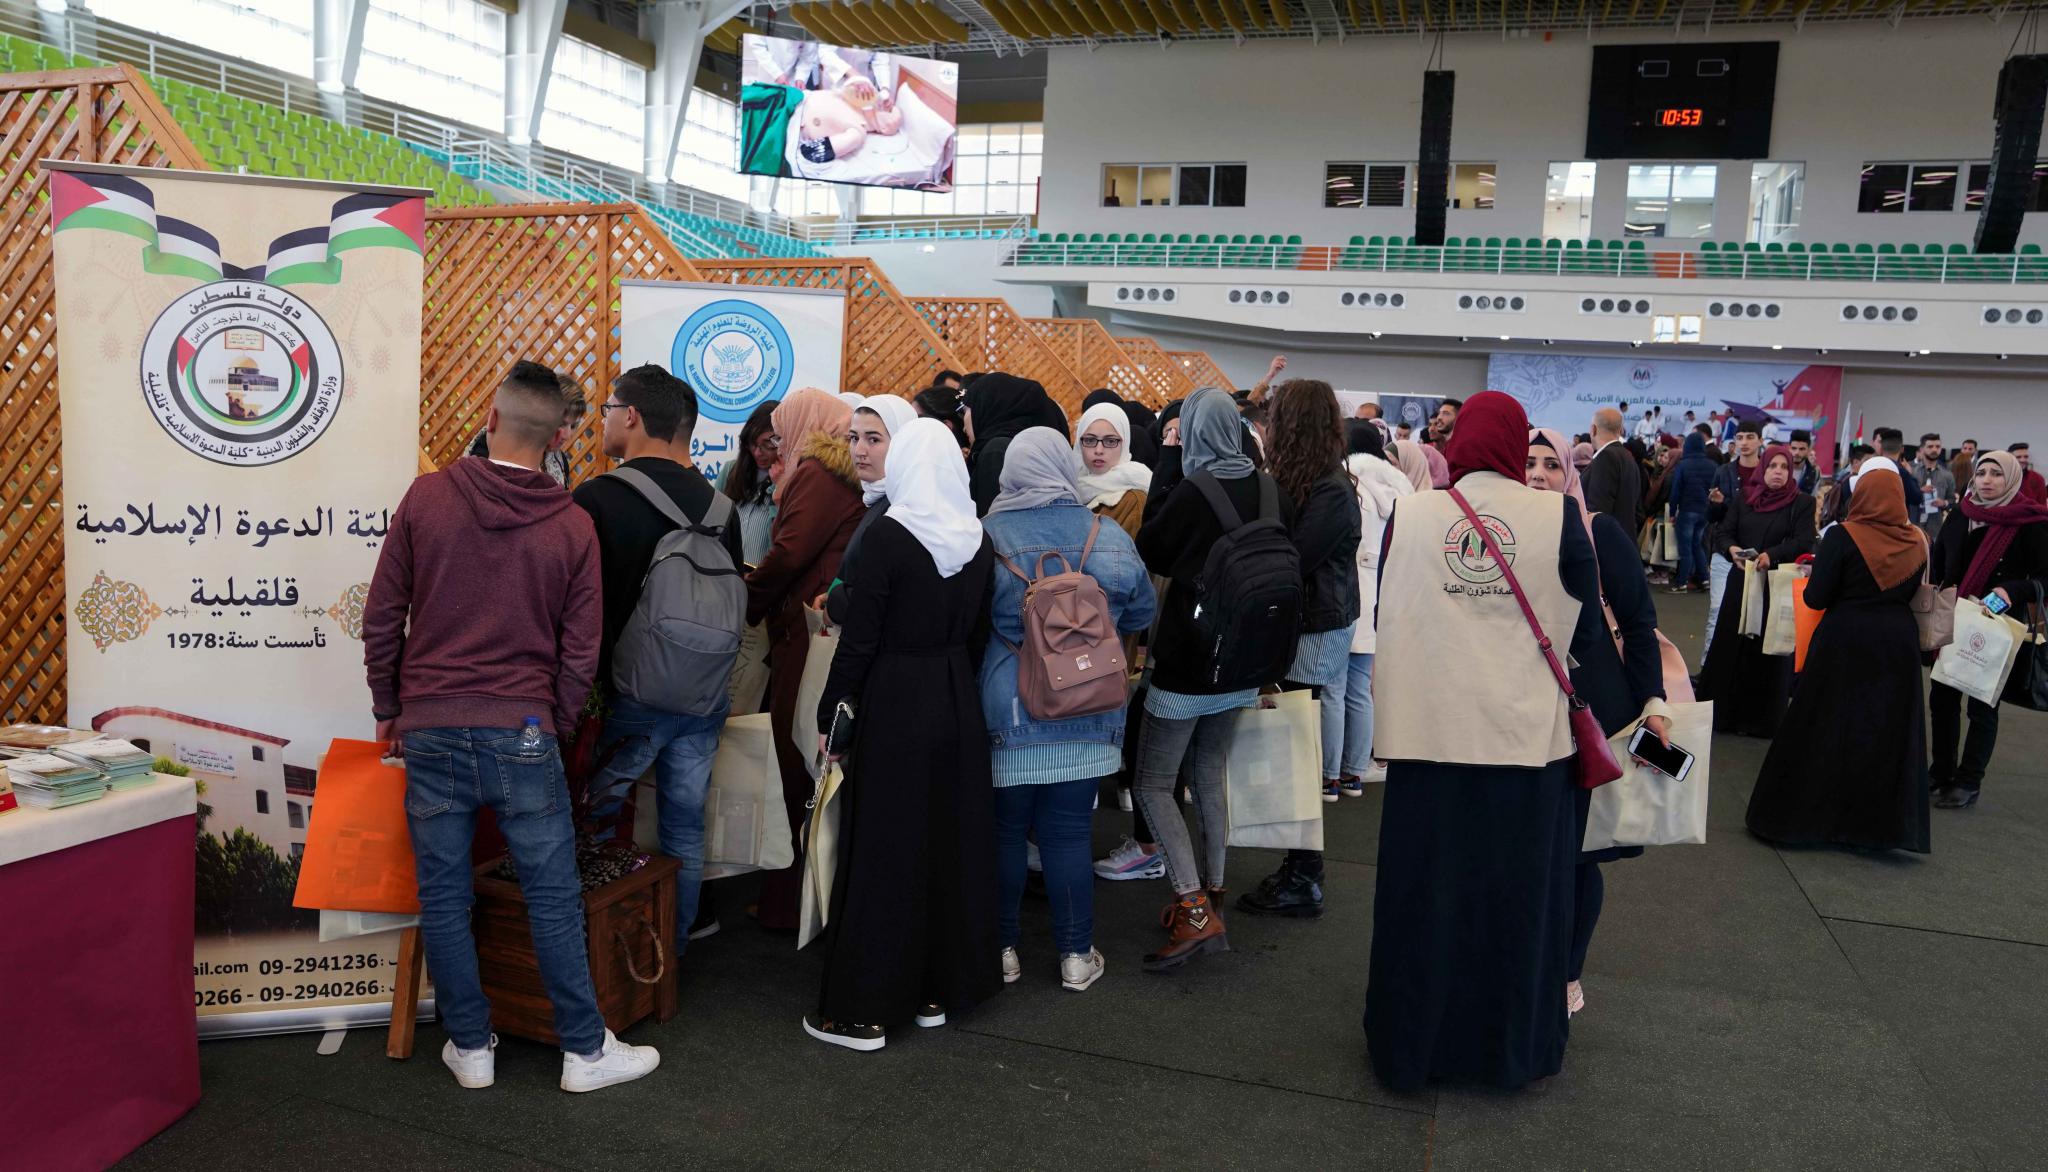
(475, 1069)
(1013, 966)
(1130, 861)
(1376, 772)
(1031, 860)
(617, 1062)
(1123, 799)
(1077, 972)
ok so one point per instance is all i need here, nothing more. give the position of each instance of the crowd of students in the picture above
(1226, 548)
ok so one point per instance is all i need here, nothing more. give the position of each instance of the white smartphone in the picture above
(1673, 762)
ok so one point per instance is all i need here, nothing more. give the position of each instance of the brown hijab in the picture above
(1891, 546)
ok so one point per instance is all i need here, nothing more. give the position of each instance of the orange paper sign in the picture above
(358, 852)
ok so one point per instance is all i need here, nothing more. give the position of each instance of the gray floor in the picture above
(1748, 1008)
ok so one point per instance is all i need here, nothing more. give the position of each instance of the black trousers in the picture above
(1945, 707)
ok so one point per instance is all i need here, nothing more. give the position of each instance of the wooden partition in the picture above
(1200, 369)
(989, 335)
(890, 348)
(1090, 352)
(1160, 371)
(536, 281)
(105, 115)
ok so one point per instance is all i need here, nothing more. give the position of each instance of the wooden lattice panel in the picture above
(1161, 372)
(889, 349)
(1200, 369)
(989, 335)
(105, 115)
(1092, 353)
(535, 281)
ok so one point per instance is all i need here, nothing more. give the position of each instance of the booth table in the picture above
(96, 968)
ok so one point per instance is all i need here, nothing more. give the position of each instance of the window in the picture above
(594, 104)
(263, 801)
(1933, 188)
(1777, 195)
(298, 851)
(1369, 185)
(256, 752)
(446, 57)
(708, 150)
(295, 814)
(1154, 185)
(1472, 186)
(1883, 188)
(1568, 200)
(1674, 200)
(277, 33)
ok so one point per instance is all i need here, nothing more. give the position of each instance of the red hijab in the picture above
(1492, 436)
(1763, 499)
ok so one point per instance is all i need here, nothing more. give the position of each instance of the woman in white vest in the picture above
(1479, 840)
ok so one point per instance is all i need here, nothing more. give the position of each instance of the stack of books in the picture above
(125, 766)
(48, 782)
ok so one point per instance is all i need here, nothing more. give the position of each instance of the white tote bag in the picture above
(803, 724)
(1781, 622)
(1670, 538)
(821, 854)
(1275, 775)
(749, 686)
(1644, 807)
(1979, 659)
(746, 820)
(1755, 602)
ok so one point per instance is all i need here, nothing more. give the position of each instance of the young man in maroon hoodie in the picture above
(480, 636)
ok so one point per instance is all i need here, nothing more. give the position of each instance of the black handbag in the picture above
(2027, 686)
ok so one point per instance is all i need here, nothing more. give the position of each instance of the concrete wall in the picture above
(1846, 94)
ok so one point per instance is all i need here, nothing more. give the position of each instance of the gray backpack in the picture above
(677, 651)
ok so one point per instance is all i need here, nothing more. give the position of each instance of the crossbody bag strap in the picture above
(1212, 491)
(1564, 679)
(1089, 546)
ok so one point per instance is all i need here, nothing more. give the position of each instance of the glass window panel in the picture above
(970, 170)
(1568, 200)
(1003, 169)
(1027, 199)
(1032, 139)
(1980, 178)
(278, 33)
(1883, 188)
(1002, 201)
(1386, 185)
(1005, 138)
(442, 56)
(1119, 187)
(970, 201)
(1194, 187)
(1777, 195)
(1228, 186)
(2040, 189)
(973, 140)
(1933, 188)
(1029, 168)
(1343, 185)
(1472, 186)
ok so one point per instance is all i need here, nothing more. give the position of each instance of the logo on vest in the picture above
(1465, 551)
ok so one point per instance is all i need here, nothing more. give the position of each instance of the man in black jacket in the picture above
(1614, 482)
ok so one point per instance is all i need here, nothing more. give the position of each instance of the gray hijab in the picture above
(1038, 470)
(1212, 436)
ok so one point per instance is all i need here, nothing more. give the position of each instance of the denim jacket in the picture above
(1023, 537)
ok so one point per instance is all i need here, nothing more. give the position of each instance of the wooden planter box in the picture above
(622, 921)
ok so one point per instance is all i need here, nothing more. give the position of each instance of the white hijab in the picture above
(1872, 464)
(928, 493)
(851, 398)
(1105, 490)
(894, 411)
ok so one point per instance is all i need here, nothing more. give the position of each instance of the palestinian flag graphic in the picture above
(119, 203)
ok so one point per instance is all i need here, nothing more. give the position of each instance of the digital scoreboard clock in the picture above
(1692, 101)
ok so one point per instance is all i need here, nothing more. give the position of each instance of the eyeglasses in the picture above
(1106, 442)
(769, 441)
(604, 408)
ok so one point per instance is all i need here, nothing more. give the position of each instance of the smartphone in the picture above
(1995, 604)
(1748, 555)
(1673, 762)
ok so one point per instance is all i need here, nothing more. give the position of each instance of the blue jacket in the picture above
(1693, 476)
(1023, 536)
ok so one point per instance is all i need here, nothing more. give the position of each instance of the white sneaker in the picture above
(1031, 860)
(617, 1062)
(1123, 799)
(1377, 772)
(475, 1069)
(1130, 861)
(1077, 972)
(1013, 966)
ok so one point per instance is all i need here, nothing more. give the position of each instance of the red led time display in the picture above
(1691, 116)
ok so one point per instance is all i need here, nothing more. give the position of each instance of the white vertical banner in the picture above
(240, 396)
(738, 346)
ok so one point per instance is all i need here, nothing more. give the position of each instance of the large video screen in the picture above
(1693, 101)
(840, 115)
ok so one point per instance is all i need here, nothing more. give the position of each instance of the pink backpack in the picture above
(1071, 663)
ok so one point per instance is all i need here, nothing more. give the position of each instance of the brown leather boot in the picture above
(1193, 927)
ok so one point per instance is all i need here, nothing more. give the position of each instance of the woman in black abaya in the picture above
(1849, 765)
(998, 406)
(912, 932)
(1772, 517)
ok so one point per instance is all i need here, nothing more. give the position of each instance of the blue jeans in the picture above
(1059, 814)
(1319, 660)
(450, 773)
(1358, 715)
(1692, 548)
(680, 749)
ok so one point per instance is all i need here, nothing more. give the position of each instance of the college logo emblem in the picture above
(1643, 376)
(242, 373)
(1465, 551)
(736, 356)
(1977, 642)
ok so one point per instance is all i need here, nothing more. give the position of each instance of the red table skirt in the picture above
(98, 1028)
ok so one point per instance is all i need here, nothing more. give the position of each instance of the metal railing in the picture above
(1929, 268)
(1009, 227)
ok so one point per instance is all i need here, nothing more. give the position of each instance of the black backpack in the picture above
(1248, 597)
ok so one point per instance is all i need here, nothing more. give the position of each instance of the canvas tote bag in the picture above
(1647, 808)
(1273, 776)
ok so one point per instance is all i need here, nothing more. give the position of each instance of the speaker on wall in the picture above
(2015, 138)
(1433, 165)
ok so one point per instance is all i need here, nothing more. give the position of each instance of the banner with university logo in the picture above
(240, 396)
(1563, 391)
(738, 346)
